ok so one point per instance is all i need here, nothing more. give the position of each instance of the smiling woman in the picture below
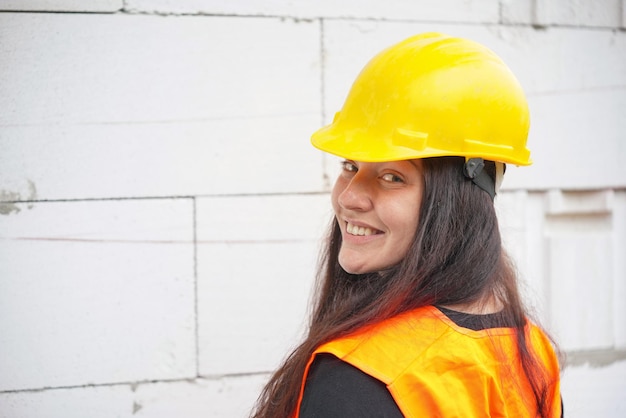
(417, 311)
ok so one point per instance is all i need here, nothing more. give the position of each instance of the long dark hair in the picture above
(456, 257)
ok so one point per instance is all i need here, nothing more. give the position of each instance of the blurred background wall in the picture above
(161, 207)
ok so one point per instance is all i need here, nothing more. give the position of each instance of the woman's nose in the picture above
(356, 194)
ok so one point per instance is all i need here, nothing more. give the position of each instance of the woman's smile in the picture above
(354, 229)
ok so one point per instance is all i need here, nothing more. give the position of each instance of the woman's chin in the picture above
(357, 266)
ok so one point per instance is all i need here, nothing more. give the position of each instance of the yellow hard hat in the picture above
(431, 95)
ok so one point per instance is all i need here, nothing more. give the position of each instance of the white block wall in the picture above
(161, 208)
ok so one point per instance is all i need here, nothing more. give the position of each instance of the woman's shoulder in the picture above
(335, 388)
(390, 346)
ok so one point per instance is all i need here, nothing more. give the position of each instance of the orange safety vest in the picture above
(434, 368)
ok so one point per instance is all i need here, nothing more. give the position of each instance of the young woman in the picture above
(417, 312)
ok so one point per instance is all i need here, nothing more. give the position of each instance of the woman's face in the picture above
(377, 207)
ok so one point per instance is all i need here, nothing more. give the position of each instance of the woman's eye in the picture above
(392, 178)
(349, 166)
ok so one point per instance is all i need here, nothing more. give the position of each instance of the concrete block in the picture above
(594, 391)
(567, 247)
(95, 6)
(252, 304)
(206, 398)
(142, 69)
(580, 133)
(256, 265)
(522, 222)
(92, 401)
(591, 13)
(434, 10)
(263, 219)
(580, 13)
(151, 106)
(229, 156)
(517, 11)
(96, 292)
(201, 398)
(580, 271)
(598, 202)
(513, 209)
(565, 60)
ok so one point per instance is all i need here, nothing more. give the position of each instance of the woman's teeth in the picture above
(359, 230)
